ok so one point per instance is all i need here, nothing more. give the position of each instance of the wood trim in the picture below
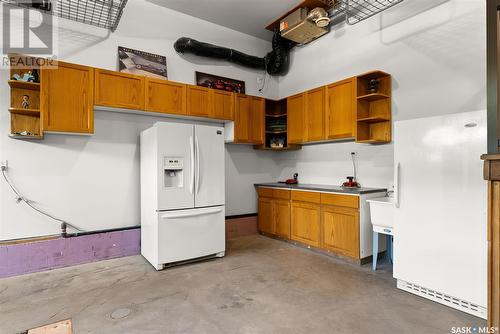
(492, 174)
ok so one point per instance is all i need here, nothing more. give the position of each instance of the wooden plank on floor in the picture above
(61, 327)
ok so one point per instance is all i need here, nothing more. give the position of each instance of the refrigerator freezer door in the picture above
(175, 180)
(210, 180)
(190, 234)
(440, 236)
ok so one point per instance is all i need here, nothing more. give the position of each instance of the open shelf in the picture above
(24, 84)
(373, 97)
(372, 141)
(291, 147)
(276, 132)
(373, 108)
(26, 137)
(22, 111)
(373, 119)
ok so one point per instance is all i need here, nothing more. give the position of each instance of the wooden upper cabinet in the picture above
(67, 98)
(223, 104)
(257, 119)
(295, 123)
(165, 97)
(119, 90)
(305, 225)
(340, 120)
(341, 230)
(315, 114)
(199, 101)
(242, 119)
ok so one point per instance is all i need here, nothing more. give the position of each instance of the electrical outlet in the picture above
(4, 164)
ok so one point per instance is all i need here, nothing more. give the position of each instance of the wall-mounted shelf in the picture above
(25, 137)
(276, 127)
(373, 97)
(373, 108)
(24, 84)
(24, 119)
(22, 111)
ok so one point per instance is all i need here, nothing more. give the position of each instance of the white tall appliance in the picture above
(182, 193)
(440, 226)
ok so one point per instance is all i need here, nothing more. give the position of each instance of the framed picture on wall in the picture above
(221, 83)
(142, 63)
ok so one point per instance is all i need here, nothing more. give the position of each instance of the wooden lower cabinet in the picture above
(266, 217)
(306, 223)
(340, 230)
(282, 218)
(323, 220)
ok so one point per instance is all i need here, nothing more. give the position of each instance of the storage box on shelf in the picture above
(373, 108)
(25, 123)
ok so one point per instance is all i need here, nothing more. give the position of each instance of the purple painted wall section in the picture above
(18, 259)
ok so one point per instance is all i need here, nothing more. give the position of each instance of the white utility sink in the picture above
(382, 211)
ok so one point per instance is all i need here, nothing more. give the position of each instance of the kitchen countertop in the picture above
(321, 188)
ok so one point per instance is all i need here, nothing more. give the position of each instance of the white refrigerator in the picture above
(440, 225)
(182, 193)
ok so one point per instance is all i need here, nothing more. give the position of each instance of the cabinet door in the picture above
(306, 223)
(315, 114)
(256, 124)
(282, 218)
(119, 90)
(341, 105)
(223, 104)
(266, 218)
(199, 101)
(67, 98)
(295, 123)
(341, 230)
(242, 119)
(165, 97)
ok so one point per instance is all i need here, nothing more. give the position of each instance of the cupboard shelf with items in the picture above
(373, 108)
(276, 127)
(25, 120)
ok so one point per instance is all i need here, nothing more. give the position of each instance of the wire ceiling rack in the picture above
(99, 13)
(359, 10)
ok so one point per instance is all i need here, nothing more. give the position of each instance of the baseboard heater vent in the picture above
(444, 299)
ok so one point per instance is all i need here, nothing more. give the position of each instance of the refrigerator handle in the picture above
(177, 215)
(198, 181)
(191, 145)
(396, 184)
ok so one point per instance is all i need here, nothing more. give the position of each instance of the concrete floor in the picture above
(262, 286)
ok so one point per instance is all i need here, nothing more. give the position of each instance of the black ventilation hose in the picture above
(189, 45)
(276, 62)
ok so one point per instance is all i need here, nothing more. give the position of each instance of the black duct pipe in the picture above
(276, 62)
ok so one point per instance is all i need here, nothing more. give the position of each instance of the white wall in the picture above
(93, 181)
(436, 52)
(435, 49)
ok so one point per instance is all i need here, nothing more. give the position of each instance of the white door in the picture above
(210, 181)
(175, 180)
(190, 234)
(440, 238)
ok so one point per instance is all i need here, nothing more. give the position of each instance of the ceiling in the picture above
(249, 17)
